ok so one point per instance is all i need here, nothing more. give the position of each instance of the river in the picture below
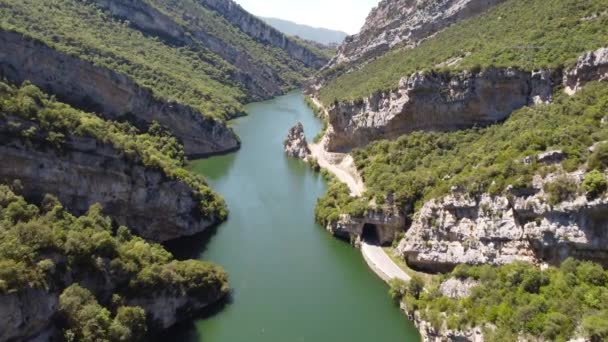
(292, 281)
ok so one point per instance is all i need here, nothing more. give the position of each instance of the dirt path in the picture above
(341, 165)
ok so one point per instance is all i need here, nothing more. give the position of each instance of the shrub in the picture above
(595, 184)
(562, 189)
(598, 160)
(521, 300)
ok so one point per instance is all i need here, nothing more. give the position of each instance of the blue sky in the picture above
(343, 15)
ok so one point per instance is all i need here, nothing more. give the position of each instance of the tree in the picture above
(595, 184)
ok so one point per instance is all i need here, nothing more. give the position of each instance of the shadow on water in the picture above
(191, 247)
(186, 331)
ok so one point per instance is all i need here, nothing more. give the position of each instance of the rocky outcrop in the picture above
(26, 315)
(170, 307)
(86, 171)
(260, 80)
(112, 95)
(296, 145)
(260, 31)
(32, 315)
(404, 22)
(496, 230)
(376, 226)
(436, 102)
(592, 66)
(457, 288)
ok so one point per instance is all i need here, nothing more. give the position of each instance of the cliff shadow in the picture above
(191, 247)
(187, 331)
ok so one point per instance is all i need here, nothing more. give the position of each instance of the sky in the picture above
(343, 15)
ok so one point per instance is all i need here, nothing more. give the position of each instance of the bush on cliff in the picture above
(44, 115)
(40, 245)
(88, 321)
(595, 184)
(521, 300)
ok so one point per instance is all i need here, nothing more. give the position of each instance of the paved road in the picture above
(382, 264)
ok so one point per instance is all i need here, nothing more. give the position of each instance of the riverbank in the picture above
(342, 166)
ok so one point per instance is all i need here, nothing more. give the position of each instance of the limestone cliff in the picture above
(496, 230)
(27, 314)
(110, 94)
(449, 101)
(85, 171)
(436, 102)
(404, 22)
(259, 30)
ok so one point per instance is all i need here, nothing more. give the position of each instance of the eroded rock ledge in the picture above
(496, 230)
(112, 95)
(443, 102)
(86, 171)
(436, 102)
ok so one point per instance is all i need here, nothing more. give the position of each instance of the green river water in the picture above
(292, 280)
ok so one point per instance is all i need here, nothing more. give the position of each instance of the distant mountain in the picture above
(319, 35)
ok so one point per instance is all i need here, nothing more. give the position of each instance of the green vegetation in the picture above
(191, 74)
(599, 157)
(527, 34)
(595, 184)
(86, 245)
(421, 166)
(80, 28)
(561, 189)
(319, 113)
(337, 201)
(56, 121)
(89, 321)
(193, 15)
(520, 300)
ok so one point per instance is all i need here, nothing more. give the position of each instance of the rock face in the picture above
(435, 102)
(259, 30)
(296, 145)
(261, 81)
(497, 230)
(592, 66)
(457, 288)
(27, 314)
(405, 22)
(380, 226)
(86, 171)
(31, 314)
(108, 93)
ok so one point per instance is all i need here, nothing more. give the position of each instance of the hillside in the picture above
(315, 34)
(61, 275)
(523, 34)
(202, 59)
(138, 177)
(481, 139)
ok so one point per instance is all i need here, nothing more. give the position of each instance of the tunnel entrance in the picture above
(370, 234)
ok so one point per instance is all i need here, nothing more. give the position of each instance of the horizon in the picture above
(309, 15)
